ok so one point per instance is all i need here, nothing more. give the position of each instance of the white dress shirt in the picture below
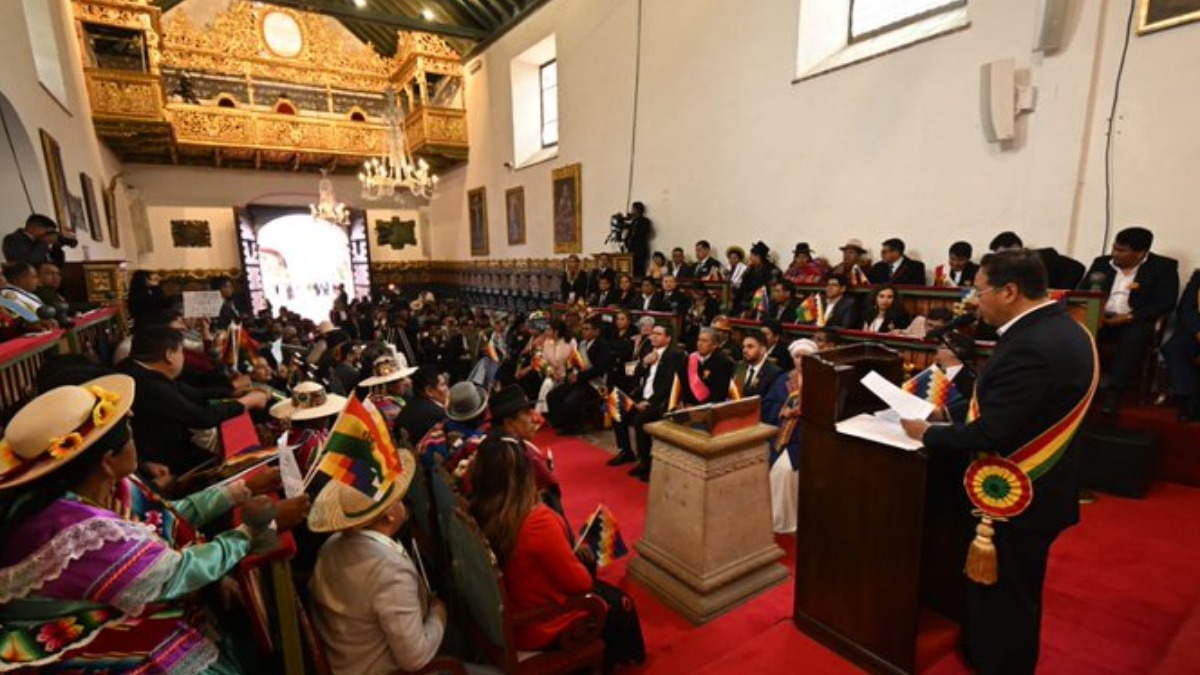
(370, 606)
(648, 387)
(1118, 297)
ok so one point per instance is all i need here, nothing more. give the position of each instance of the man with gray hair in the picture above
(708, 371)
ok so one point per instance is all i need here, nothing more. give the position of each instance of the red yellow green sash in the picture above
(1002, 487)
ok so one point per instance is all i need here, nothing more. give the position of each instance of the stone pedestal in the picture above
(707, 544)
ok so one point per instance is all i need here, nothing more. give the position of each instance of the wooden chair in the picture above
(479, 589)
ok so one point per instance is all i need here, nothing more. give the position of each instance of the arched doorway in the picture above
(303, 262)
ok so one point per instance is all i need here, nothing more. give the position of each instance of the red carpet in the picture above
(1123, 590)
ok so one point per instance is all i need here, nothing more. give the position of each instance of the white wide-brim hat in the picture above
(341, 507)
(388, 368)
(309, 401)
(59, 425)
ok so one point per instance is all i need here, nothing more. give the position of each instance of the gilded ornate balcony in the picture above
(124, 95)
(438, 132)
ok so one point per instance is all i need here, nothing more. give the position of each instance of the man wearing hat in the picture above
(456, 438)
(805, 269)
(855, 263)
(760, 273)
(372, 606)
(308, 415)
(387, 384)
(427, 405)
(513, 421)
(29, 244)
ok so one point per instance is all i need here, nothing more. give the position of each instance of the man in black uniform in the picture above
(29, 244)
(1042, 374)
(637, 239)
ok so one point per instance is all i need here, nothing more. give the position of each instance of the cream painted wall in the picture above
(730, 149)
(71, 127)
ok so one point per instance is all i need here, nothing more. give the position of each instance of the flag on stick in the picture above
(360, 452)
(735, 394)
(616, 404)
(676, 396)
(602, 535)
(812, 310)
(576, 359)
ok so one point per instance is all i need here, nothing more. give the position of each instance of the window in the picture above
(534, 76)
(872, 17)
(548, 81)
(40, 23)
(838, 33)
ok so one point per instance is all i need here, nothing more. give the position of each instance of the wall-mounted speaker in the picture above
(1052, 25)
(997, 100)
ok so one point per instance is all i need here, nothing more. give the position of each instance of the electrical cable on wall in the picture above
(16, 162)
(1108, 141)
(637, 80)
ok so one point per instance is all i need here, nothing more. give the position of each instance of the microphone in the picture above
(960, 321)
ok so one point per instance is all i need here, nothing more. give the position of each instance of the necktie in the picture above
(750, 375)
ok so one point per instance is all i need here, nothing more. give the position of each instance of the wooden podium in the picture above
(881, 532)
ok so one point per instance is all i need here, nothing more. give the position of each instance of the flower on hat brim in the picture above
(61, 447)
(103, 413)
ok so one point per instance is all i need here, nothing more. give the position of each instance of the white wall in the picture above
(729, 149)
(34, 108)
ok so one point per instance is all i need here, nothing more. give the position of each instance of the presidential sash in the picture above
(1002, 487)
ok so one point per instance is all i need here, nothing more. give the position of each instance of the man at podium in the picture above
(1029, 400)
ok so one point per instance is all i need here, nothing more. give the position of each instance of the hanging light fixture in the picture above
(396, 171)
(328, 208)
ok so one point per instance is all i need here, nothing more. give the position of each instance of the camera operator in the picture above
(632, 232)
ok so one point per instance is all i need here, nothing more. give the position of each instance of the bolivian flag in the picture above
(676, 395)
(735, 394)
(616, 404)
(812, 310)
(360, 452)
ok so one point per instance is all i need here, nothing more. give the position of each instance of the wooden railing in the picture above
(23, 357)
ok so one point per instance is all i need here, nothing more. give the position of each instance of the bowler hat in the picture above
(508, 402)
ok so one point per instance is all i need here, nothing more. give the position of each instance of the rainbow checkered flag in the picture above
(602, 535)
(616, 404)
(359, 451)
(932, 385)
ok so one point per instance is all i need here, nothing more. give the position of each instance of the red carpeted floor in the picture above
(1122, 593)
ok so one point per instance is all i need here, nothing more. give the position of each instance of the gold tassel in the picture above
(981, 557)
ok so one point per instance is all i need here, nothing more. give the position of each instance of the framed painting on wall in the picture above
(568, 209)
(110, 214)
(58, 184)
(477, 212)
(75, 214)
(1156, 15)
(514, 208)
(89, 205)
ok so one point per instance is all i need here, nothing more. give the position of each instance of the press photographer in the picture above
(631, 231)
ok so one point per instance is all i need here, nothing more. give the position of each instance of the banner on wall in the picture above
(360, 253)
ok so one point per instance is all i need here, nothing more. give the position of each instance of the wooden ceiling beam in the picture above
(530, 7)
(347, 13)
(480, 18)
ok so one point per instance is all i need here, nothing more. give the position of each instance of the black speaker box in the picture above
(1117, 461)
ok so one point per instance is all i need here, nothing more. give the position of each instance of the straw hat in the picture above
(341, 507)
(803, 346)
(325, 326)
(59, 425)
(741, 252)
(467, 401)
(309, 401)
(388, 368)
(854, 244)
(721, 323)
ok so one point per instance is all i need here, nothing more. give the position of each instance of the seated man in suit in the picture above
(1142, 287)
(658, 372)
(427, 407)
(679, 265)
(755, 374)
(841, 308)
(706, 267)
(570, 402)
(1182, 351)
(708, 372)
(673, 299)
(603, 270)
(604, 296)
(573, 285)
(651, 300)
(896, 268)
(960, 271)
(785, 307)
(1061, 271)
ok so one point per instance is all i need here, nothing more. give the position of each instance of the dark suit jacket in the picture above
(715, 373)
(788, 313)
(763, 379)
(418, 417)
(1156, 285)
(164, 412)
(779, 356)
(578, 286)
(672, 364)
(595, 275)
(1042, 366)
(605, 299)
(1188, 313)
(657, 304)
(600, 360)
(701, 270)
(1061, 271)
(910, 272)
(844, 314)
(677, 301)
(968, 273)
(631, 300)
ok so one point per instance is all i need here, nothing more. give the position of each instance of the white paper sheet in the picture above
(880, 430)
(289, 469)
(201, 304)
(905, 404)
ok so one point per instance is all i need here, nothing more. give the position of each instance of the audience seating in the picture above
(479, 594)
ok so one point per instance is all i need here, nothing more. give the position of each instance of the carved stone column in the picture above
(708, 545)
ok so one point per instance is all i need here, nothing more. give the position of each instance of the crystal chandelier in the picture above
(328, 208)
(396, 171)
